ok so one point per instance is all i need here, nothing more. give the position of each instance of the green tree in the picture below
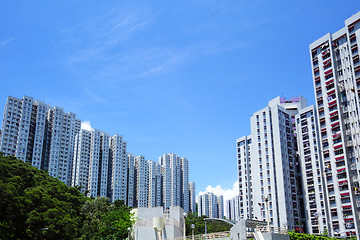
(212, 226)
(35, 205)
(105, 220)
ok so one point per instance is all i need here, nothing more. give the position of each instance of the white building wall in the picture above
(40, 135)
(154, 184)
(336, 74)
(82, 160)
(243, 145)
(142, 181)
(220, 207)
(192, 195)
(119, 165)
(184, 184)
(131, 180)
(104, 164)
(271, 167)
(312, 171)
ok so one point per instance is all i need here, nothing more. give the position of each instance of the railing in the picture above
(265, 229)
(218, 235)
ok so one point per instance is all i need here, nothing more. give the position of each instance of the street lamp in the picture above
(37, 231)
(192, 228)
(205, 229)
(129, 230)
(266, 198)
(185, 215)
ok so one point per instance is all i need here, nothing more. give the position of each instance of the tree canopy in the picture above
(212, 226)
(34, 205)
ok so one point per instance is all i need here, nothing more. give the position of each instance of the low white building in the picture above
(157, 223)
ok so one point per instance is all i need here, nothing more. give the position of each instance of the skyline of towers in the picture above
(40, 135)
(91, 159)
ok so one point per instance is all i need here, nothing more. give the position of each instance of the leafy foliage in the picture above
(34, 205)
(212, 226)
(303, 236)
(104, 220)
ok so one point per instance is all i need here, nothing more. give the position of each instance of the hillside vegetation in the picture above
(34, 205)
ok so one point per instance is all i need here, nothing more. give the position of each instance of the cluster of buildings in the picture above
(300, 166)
(210, 205)
(97, 163)
(302, 162)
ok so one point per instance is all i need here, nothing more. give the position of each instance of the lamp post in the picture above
(192, 228)
(37, 231)
(185, 215)
(129, 230)
(266, 198)
(205, 229)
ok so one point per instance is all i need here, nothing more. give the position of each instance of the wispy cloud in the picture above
(227, 193)
(7, 41)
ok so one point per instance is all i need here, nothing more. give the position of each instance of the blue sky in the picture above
(170, 76)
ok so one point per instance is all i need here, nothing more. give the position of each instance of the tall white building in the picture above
(210, 205)
(232, 209)
(244, 176)
(336, 76)
(119, 168)
(91, 162)
(131, 180)
(174, 172)
(270, 169)
(142, 182)
(41, 135)
(154, 184)
(220, 206)
(312, 171)
(184, 183)
(192, 197)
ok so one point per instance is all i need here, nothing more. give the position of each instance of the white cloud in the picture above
(7, 41)
(86, 125)
(227, 193)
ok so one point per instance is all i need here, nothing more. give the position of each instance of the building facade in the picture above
(312, 171)
(271, 166)
(336, 76)
(41, 135)
(210, 205)
(192, 197)
(175, 175)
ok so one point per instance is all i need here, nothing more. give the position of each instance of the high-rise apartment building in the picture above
(91, 162)
(119, 168)
(192, 197)
(174, 172)
(184, 183)
(232, 210)
(220, 206)
(131, 180)
(210, 205)
(271, 166)
(141, 182)
(41, 135)
(312, 171)
(154, 184)
(336, 76)
(144, 182)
